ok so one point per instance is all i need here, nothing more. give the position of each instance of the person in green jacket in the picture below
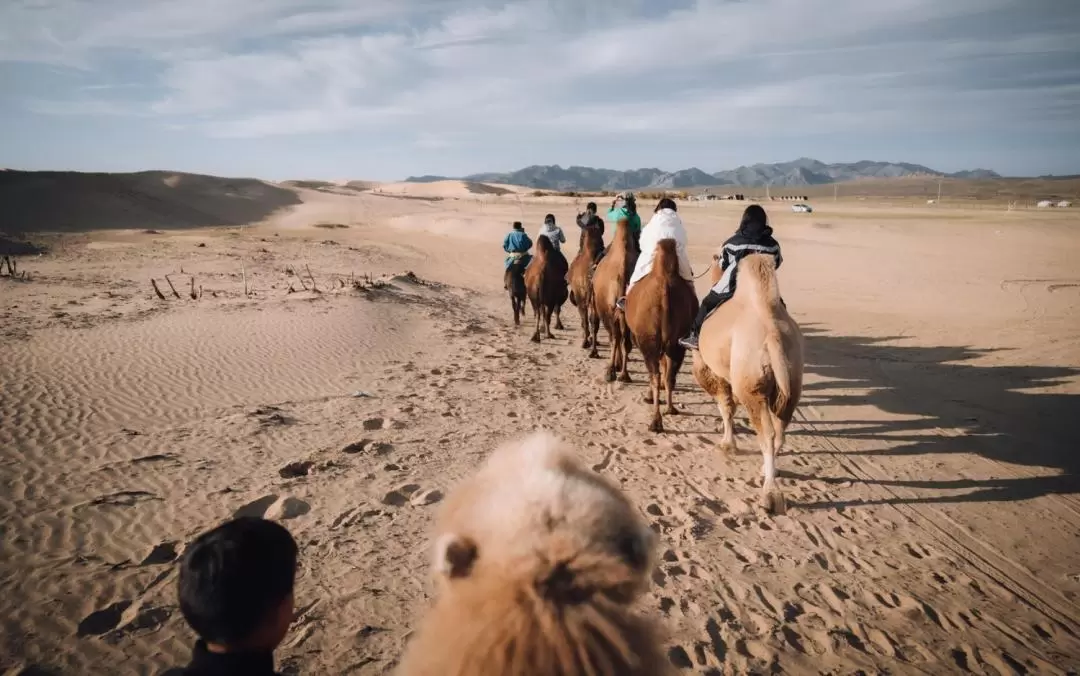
(625, 206)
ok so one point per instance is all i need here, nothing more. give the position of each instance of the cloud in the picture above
(460, 69)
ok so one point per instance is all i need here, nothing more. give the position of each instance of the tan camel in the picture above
(538, 562)
(609, 284)
(545, 283)
(751, 353)
(659, 310)
(581, 273)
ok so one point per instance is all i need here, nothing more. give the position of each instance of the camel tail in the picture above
(779, 366)
(759, 272)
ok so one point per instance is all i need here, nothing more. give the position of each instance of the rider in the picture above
(625, 206)
(665, 224)
(516, 244)
(553, 232)
(588, 220)
(753, 236)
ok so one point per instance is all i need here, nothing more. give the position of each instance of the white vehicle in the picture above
(802, 208)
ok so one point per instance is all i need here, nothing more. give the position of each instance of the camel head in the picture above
(534, 514)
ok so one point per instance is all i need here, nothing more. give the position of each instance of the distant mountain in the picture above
(803, 171)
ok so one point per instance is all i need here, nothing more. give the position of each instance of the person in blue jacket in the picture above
(516, 244)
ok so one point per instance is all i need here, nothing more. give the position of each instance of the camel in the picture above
(514, 281)
(537, 564)
(660, 309)
(751, 353)
(609, 283)
(581, 273)
(545, 284)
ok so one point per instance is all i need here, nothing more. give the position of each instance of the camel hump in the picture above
(543, 244)
(667, 257)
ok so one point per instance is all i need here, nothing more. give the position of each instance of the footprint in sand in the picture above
(296, 469)
(102, 621)
(274, 507)
(164, 552)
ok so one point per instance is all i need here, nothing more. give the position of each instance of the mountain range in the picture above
(803, 171)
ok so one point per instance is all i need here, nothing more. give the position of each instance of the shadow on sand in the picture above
(951, 407)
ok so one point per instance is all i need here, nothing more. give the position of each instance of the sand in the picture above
(932, 469)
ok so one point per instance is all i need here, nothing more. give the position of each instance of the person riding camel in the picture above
(553, 232)
(665, 224)
(754, 236)
(625, 206)
(516, 244)
(585, 218)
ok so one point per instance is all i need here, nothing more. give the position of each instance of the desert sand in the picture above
(934, 516)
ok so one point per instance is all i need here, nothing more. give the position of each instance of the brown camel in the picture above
(751, 353)
(514, 282)
(545, 284)
(581, 273)
(660, 309)
(538, 562)
(609, 283)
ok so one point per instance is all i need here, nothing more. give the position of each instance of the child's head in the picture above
(518, 225)
(236, 584)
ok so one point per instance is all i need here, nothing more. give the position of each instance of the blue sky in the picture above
(381, 89)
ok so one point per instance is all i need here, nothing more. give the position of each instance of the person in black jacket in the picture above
(236, 592)
(754, 236)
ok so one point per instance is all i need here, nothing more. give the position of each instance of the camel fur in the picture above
(581, 273)
(660, 309)
(609, 284)
(545, 285)
(538, 562)
(751, 353)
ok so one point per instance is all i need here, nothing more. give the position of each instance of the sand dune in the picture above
(932, 474)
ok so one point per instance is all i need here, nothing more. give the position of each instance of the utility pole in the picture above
(835, 190)
(939, 191)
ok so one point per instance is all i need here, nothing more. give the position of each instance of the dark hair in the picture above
(550, 218)
(518, 225)
(591, 206)
(754, 220)
(666, 203)
(234, 577)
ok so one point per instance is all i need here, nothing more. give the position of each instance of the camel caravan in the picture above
(747, 349)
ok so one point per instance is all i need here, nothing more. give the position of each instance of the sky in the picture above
(383, 89)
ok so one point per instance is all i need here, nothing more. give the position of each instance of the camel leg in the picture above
(657, 424)
(771, 496)
(594, 329)
(671, 371)
(624, 351)
(583, 313)
(725, 401)
(615, 338)
(548, 311)
(558, 319)
(539, 319)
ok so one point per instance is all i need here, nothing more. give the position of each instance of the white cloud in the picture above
(252, 68)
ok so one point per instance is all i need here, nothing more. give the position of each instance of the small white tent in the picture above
(1064, 204)
(1044, 204)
